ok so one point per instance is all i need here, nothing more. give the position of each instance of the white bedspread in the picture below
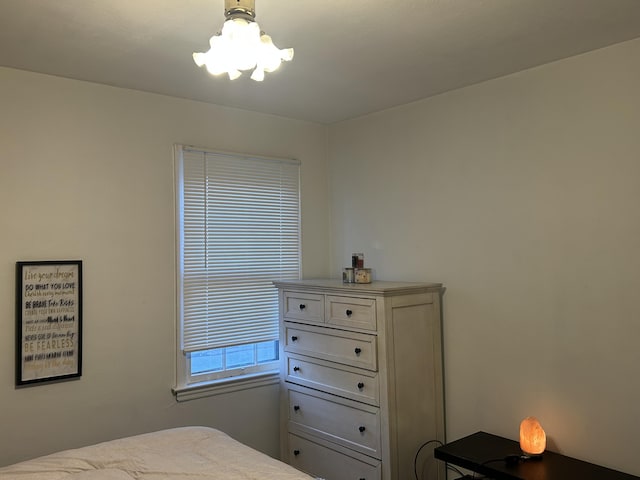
(193, 453)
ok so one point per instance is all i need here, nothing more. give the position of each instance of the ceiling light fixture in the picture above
(241, 45)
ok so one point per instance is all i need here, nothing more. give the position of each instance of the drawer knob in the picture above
(296, 452)
(296, 408)
(296, 369)
(360, 385)
(302, 306)
(294, 338)
(349, 313)
(358, 350)
(362, 429)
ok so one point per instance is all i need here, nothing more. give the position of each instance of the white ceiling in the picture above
(352, 57)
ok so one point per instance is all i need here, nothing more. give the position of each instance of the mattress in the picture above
(200, 453)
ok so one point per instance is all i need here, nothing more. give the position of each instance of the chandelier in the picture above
(241, 45)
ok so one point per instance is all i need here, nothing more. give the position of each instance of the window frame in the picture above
(187, 385)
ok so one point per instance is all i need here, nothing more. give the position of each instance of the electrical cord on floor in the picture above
(449, 467)
(415, 459)
(424, 445)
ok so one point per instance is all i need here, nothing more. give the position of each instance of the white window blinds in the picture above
(240, 230)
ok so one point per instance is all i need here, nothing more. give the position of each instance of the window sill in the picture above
(225, 385)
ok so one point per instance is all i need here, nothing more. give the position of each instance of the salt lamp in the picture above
(533, 440)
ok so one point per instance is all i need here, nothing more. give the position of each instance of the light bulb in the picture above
(241, 39)
(215, 68)
(258, 74)
(269, 54)
(199, 58)
(287, 54)
(233, 74)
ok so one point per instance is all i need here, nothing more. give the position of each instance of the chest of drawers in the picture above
(362, 377)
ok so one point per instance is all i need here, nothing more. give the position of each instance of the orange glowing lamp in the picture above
(533, 440)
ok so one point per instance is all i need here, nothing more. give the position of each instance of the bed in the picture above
(200, 453)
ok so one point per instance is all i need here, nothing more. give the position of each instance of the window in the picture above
(238, 220)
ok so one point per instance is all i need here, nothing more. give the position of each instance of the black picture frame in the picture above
(48, 321)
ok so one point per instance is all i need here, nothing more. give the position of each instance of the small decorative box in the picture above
(362, 275)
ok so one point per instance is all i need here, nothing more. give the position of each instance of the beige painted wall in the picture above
(86, 172)
(522, 195)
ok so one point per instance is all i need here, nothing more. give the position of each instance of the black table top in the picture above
(487, 454)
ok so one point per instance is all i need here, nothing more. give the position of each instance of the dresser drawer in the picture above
(307, 307)
(354, 383)
(351, 312)
(349, 348)
(323, 462)
(351, 424)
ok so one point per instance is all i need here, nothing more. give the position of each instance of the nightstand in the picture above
(487, 454)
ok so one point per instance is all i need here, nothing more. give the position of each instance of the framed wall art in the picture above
(48, 321)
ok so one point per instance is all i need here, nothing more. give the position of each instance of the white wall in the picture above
(522, 196)
(86, 172)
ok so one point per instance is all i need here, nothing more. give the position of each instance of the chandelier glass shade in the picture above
(241, 45)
